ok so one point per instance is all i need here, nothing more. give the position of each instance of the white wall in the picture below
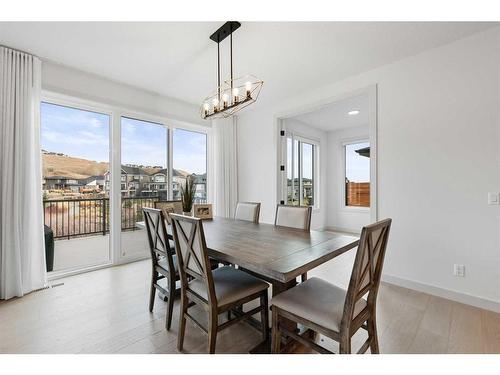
(438, 156)
(68, 81)
(339, 217)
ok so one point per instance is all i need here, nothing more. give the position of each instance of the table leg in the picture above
(264, 347)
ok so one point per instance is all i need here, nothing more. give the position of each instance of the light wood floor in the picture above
(106, 311)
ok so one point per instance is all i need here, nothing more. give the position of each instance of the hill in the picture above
(63, 165)
(68, 166)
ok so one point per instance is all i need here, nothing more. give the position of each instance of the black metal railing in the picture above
(90, 216)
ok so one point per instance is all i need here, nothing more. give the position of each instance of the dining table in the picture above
(276, 254)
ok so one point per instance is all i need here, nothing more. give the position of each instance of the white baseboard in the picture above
(467, 299)
(340, 229)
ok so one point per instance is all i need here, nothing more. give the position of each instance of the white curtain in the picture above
(225, 167)
(22, 248)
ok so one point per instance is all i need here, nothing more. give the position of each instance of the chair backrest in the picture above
(367, 269)
(159, 245)
(192, 253)
(169, 207)
(298, 217)
(248, 211)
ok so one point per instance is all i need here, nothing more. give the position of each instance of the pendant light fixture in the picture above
(234, 94)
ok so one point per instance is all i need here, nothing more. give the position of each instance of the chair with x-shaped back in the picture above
(216, 291)
(163, 260)
(332, 311)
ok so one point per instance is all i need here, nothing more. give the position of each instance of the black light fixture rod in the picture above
(231, 53)
(218, 71)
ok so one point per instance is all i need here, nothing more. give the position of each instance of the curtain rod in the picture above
(20, 50)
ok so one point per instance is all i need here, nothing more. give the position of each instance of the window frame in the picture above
(343, 194)
(316, 150)
(116, 112)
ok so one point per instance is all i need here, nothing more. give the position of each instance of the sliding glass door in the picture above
(144, 180)
(75, 156)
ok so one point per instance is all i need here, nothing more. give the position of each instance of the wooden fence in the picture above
(357, 194)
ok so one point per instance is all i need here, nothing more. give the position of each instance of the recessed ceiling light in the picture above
(353, 113)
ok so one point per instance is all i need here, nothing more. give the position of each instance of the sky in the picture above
(85, 135)
(357, 166)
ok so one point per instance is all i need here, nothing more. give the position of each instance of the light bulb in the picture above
(248, 87)
(206, 106)
(215, 101)
(236, 92)
(225, 98)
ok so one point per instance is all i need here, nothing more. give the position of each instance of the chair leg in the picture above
(372, 334)
(303, 277)
(170, 303)
(345, 345)
(152, 292)
(182, 322)
(213, 322)
(276, 334)
(264, 315)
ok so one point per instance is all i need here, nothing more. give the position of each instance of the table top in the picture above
(278, 253)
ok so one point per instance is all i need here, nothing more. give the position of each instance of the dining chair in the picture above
(169, 207)
(216, 291)
(248, 211)
(297, 217)
(163, 260)
(337, 313)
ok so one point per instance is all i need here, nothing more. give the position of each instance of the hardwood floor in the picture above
(106, 311)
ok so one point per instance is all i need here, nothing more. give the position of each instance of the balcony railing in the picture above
(82, 217)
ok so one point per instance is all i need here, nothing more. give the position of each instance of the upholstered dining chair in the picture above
(297, 217)
(332, 311)
(248, 211)
(163, 260)
(216, 291)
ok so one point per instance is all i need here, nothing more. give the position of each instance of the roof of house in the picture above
(133, 170)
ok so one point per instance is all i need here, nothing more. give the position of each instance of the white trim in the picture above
(468, 299)
(342, 230)
(54, 275)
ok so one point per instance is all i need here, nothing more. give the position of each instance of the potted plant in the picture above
(187, 196)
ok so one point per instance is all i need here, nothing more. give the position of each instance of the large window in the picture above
(301, 172)
(189, 161)
(75, 157)
(80, 193)
(357, 174)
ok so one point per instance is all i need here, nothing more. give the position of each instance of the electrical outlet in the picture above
(459, 270)
(493, 198)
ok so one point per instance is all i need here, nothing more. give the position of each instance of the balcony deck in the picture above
(88, 251)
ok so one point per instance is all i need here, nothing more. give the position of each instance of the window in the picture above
(357, 174)
(301, 172)
(144, 157)
(189, 160)
(75, 157)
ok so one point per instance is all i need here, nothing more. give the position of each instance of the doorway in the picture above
(327, 159)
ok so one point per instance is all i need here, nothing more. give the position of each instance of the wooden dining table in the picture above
(277, 254)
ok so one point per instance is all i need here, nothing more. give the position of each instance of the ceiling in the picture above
(335, 116)
(178, 59)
